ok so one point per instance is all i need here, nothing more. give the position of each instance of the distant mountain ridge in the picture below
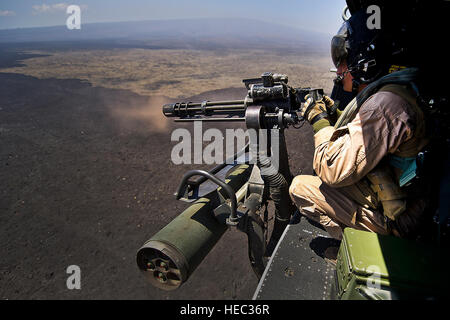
(189, 33)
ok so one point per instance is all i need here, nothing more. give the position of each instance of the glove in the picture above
(318, 112)
(311, 109)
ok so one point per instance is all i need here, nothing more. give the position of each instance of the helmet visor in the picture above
(338, 50)
(339, 46)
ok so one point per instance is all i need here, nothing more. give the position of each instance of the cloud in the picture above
(52, 8)
(7, 13)
(46, 8)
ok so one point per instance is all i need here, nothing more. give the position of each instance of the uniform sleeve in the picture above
(343, 156)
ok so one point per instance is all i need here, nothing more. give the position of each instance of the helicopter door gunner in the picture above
(365, 159)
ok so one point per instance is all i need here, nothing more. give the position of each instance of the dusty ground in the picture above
(86, 179)
(173, 73)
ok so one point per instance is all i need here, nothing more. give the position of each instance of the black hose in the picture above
(233, 219)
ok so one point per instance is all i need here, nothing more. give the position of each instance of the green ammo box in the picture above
(372, 266)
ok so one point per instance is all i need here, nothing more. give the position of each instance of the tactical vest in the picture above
(385, 184)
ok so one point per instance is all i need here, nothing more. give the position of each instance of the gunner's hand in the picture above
(317, 112)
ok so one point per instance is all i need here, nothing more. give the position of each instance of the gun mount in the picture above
(241, 200)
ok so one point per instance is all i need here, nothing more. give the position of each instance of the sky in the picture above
(316, 15)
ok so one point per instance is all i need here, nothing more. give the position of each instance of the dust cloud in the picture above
(145, 116)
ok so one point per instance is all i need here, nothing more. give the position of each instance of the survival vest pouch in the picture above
(388, 192)
(388, 178)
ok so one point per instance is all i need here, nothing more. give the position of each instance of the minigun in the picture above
(270, 103)
(231, 195)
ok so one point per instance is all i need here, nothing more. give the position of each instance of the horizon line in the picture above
(172, 19)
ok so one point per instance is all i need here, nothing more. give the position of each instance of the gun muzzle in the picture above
(171, 256)
(169, 110)
(206, 108)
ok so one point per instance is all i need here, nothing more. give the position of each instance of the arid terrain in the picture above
(174, 73)
(86, 171)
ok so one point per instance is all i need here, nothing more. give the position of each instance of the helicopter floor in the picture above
(298, 268)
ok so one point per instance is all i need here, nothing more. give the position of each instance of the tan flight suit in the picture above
(340, 195)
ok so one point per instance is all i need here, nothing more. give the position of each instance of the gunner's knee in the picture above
(302, 185)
